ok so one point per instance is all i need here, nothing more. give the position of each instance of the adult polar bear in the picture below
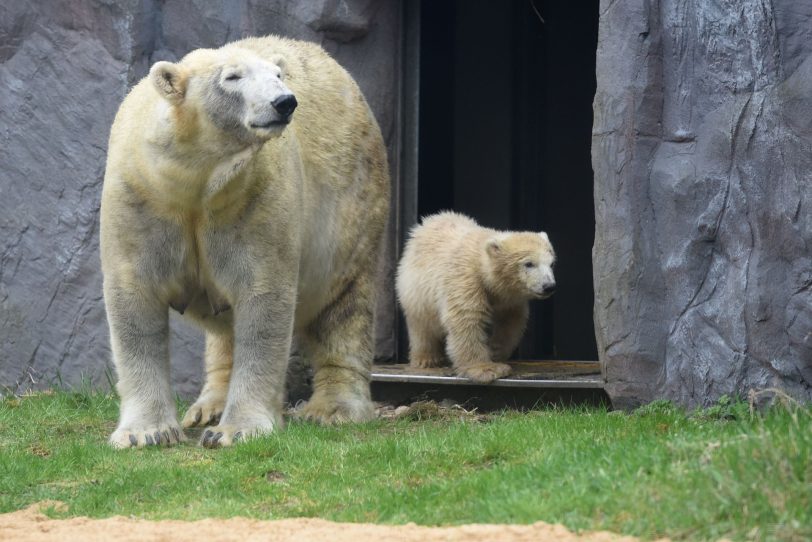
(221, 202)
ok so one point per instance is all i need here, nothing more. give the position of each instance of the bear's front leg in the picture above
(263, 328)
(425, 342)
(139, 330)
(467, 344)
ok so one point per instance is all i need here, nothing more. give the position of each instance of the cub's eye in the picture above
(233, 77)
(529, 265)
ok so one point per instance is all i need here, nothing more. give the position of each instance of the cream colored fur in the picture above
(254, 228)
(464, 290)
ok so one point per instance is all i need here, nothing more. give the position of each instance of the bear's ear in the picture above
(543, 235)
(493, 246)
(170, 80)
(280, 61)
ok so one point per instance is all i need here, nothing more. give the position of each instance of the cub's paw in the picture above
(205, 411)
(426, 362)
(484, 372)
(331, 410)
(158, 435)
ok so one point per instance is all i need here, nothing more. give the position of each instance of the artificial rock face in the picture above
(64, 68)
(702, 152)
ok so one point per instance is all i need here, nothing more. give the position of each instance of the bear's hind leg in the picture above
(212, 400)
(339, 346)
(425, 342)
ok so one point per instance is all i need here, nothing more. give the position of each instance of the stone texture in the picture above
(702, 152)
(65, 65)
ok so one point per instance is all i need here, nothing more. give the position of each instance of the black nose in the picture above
(549, 289)
(285, 104)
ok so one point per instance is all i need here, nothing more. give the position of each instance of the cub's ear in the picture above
(280, 61)
(170, 81)
(493, 246)
(543, 235)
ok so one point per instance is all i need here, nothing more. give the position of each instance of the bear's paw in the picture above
(227, 434)
(166, 434)
(206, 410)
(426, 362)
(329, 410)
(484, 372)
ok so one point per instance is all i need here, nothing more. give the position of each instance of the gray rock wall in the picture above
(702, 152)
(65, 65)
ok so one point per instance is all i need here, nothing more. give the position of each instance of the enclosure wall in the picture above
(702, 153)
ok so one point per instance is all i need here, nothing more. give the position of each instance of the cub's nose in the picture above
(285, 104)
(549, 289)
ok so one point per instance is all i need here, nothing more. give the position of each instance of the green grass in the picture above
(657, 472)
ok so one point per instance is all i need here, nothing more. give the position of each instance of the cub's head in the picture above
(232, 91)
(521, 264)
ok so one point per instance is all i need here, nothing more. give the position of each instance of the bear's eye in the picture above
(233, 77)
(529, 265)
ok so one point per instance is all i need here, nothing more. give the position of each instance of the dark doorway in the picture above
(505, 121)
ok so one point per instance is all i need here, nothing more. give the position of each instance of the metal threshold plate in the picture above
(525, 374)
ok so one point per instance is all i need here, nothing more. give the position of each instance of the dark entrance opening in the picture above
(505, 121)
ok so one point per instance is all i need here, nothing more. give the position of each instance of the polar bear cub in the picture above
(464, 289)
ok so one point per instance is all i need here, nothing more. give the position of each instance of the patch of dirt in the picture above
(32, 525)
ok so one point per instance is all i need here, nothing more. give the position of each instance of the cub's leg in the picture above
(339, 346)
(425, 341)
(139, 331)
(467, 344)
(212, 400)
(508, 328)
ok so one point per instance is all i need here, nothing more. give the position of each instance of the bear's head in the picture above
(521, 264)
(232, 94)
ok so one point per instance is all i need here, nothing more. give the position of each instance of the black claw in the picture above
(150, 442)
(214, 419)
(166, 437)
(217, 437)
(176, 433)
(157, 438)
(217, 309)
(133, 440)
(237, 436)
(198, 416)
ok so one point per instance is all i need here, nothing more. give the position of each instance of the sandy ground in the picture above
(31, 525)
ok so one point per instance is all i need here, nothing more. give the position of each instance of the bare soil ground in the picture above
(32, 525)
